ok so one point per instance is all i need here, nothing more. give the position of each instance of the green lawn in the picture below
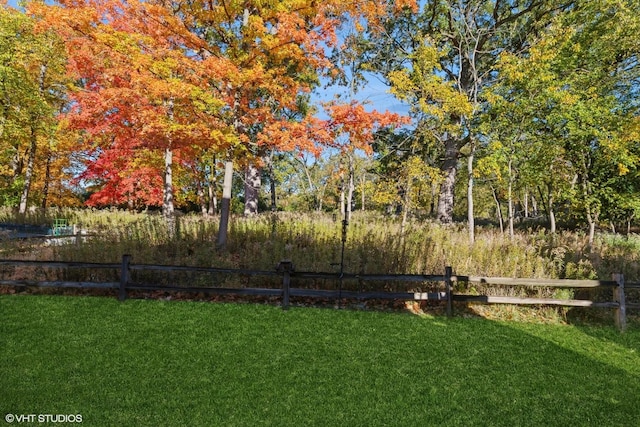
(159, 363)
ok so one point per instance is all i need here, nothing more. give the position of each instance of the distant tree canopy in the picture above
(140, 104)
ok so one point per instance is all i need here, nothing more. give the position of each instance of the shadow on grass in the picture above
(184, 363)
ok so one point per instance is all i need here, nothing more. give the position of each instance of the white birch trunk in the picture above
(225, 206)
(252, 185)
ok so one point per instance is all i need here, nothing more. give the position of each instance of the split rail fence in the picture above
(287, 274)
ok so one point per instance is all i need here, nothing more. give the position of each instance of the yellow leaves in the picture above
(416, 168)
(622, 169)
(426, 57)
(218, 135)
(401, 84)
(424, 86)
(631, 130)
(568, 98)
(435, 96)
(386, 192)
(205, 101)
(414, 176)
(144, 158)
(6, 170)
(509, 67)
(618, 147)
(488, 166)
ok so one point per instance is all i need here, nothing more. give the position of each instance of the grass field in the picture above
(160, 363)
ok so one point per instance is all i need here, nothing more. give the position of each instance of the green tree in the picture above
(568, 102)
(446, 54)
(32, 94)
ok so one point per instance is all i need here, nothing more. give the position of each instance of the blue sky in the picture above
(375, 93)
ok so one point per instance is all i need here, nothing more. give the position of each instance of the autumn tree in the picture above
(32, 93)
(142, 101)
(263, 56)
(157, 79)
(353, 128)
(270, 53)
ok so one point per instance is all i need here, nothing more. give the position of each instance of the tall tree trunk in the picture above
(168, 209)
(510, 213)
(590, 212)
(213, 200)
(351, 185)
(272, 191)
(498, 209)
(342, 195)
(470, 214)
(592, 220)
(406, 206)
(167, 201)
(548, 206)
(28, 174)
(447, 188)
(510, 201)
(252, 185)
(434, 196)
(363, 183)
(200, 196)
(26, 187)
(272, 182)
(200, 176)
(211, 189)
(320, 197)
(225, 206)
(552, 214)
(47, 179)
(534, 206)
(317, 203)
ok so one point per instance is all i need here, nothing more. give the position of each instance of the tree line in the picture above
(513, 108)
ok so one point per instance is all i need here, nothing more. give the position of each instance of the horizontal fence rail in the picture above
(285, 272)
(533, 301)
(555, 283)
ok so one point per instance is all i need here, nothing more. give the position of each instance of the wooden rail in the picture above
(287, 274)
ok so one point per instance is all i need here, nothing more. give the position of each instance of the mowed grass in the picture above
(167, 363)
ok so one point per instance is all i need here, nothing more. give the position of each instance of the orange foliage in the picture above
(223, 76)
(137, 90)
(359, 125)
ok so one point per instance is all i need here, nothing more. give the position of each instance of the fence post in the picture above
(448, 272)
(285, 267)
(618, 296)
(124, 277)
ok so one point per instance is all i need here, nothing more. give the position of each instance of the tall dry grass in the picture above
(374, 244)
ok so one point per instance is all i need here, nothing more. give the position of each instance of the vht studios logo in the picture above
(43, 418)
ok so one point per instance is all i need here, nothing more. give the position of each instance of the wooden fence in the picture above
(285, 273)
